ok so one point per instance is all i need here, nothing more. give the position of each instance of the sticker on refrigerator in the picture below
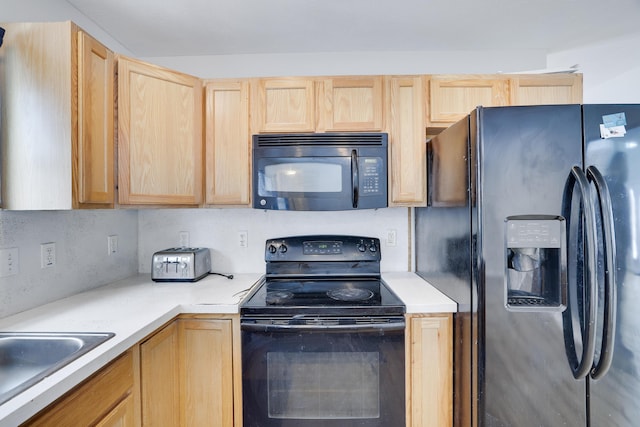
(613, 126)
(612, 132)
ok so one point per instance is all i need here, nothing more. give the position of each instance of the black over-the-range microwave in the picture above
(320, 171)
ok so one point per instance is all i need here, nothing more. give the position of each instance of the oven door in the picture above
(326, 375)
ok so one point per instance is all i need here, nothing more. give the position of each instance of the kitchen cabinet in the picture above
(451, 97)
(541, 89)
(57, 110)
(429, 370)
(228, 143)
(354, 103)
(108, 398)
(159, 381)
(283, 105)
(206, 372)
(96, 148)
(407, 123)
(160, 135)
(188, 373)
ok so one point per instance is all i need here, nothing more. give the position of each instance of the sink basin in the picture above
(28, 357)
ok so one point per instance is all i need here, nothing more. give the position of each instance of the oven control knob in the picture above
(372, 248)
(362, 247)
(272, 249)
(283, 248)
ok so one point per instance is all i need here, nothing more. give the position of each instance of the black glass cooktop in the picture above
(352, 296)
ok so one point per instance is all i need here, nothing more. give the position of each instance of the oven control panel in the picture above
(323, 248)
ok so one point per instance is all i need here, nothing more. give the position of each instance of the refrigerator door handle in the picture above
(580, 368)
(610, 299)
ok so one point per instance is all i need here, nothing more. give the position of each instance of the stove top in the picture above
(353, 297)
(322, 275)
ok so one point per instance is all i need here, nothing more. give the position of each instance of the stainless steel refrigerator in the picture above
(533, 228)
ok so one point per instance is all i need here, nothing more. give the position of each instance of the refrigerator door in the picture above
(525, 155)
(612, 145)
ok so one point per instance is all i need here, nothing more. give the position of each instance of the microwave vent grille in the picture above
(337, 139)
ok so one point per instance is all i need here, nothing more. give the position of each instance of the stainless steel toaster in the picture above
(180, 264)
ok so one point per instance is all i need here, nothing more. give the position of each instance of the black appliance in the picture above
(532, 228)
(320, 172)
(323, 337)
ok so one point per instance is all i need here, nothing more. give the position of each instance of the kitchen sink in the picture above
(28, 357)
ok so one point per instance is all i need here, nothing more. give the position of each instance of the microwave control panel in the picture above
(370, 170)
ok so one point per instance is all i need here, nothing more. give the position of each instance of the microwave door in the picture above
(307, 183)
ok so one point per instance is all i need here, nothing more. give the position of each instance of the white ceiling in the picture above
(152, 28)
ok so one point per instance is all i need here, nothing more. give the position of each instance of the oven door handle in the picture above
(378, 327)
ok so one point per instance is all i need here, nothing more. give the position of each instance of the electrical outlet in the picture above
(391, 237)
(184, 239)
(243, 239)
(112, 244)
(9, 262)
(47, 255)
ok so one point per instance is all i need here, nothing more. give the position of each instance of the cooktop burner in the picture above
(322, 275)
(350, 294)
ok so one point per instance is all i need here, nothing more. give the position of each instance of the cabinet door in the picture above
(351, 104)
(160, 140)
(111, 387)
(452, 97)
(283, 105)
(430, 373)
(120, 416)
(206, 372)
(546, 89)
(95, 170)
(407, 118)
(228, 144)
(160, 387)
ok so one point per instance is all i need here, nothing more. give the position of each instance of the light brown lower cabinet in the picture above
(188, 374)
(429, 360)
(108, 398)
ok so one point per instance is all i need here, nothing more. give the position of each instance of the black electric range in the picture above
(324, 275)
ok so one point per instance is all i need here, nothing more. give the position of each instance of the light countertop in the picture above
(135, 307)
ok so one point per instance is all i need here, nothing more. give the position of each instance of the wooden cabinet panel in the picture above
(228, 143)
(351, 104)
(57, 110)
(283, 105)
(95, 176)
(159, 135)
(206, 372)
(430, 372)
(106, 399)
(407, 123)
(159, 382)
(452, 97)
(546, 89)
(121, 416)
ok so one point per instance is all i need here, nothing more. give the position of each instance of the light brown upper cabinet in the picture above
(96, 76)
(228, 143)
(407, 123)
(351, 104)
(160, 135)
(541, 89)
(283, 105)
(57, 109)
(451, 97)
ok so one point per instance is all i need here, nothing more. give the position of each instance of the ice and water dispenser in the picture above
(535, 251)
